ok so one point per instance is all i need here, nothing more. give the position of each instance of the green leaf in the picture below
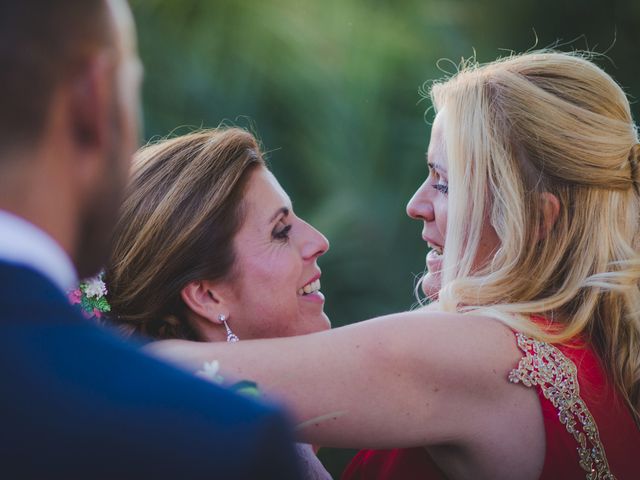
(103, 305)
(86, 304)
(247, 388)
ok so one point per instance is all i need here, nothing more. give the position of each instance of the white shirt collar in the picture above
(25, 244)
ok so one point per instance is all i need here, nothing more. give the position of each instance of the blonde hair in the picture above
(546, 122)
(182, 210)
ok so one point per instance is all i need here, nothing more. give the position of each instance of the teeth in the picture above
(436, 248)
(310, 288)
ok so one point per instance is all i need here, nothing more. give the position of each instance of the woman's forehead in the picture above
(436, 153)
(264, 198)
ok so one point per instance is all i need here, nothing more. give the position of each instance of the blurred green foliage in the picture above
(331, 88)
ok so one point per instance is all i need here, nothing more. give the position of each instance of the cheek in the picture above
(441, 214)
(278, 272)
(431, 284)
(268, 300)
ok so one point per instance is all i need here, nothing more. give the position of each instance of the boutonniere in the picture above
(91, 296)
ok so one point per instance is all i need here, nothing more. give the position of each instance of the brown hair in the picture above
(177, 224)
(41, 43)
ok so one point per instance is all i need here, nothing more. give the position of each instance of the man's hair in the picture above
(42, 43)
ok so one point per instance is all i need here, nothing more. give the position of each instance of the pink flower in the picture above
(75, 296)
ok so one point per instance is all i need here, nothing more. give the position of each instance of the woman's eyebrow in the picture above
(436, 166)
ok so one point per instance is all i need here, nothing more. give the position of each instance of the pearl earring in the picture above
(231, 337)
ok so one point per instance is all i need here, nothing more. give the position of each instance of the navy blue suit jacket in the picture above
(77, 402)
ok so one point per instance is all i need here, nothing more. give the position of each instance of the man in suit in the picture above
(75, 401)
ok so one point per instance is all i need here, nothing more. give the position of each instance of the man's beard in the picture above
(100, 214)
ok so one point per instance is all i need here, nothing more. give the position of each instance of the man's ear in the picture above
(550, 209)
(91, 98)
(205, 299)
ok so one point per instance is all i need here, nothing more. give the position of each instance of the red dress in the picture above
(578, 405)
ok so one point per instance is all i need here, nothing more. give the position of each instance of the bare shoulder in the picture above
(466, 358)
(463, 364)
(459, 346)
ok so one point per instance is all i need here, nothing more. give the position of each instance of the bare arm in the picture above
(409, 379)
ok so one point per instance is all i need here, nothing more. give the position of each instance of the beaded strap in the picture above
(545, 366)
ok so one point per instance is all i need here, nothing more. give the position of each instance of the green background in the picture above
(331, 89)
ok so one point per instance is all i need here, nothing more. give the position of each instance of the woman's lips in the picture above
(311, 291)
(434, 262)
(310, 287)
(315, 297)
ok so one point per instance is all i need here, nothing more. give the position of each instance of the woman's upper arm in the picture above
(408, 379)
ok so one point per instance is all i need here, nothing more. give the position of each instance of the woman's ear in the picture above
(550, 208)
(205, 299)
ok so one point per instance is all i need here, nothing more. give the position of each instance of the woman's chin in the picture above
(326, 323)
(431, 286)
(311, 317)
(318, 323)
(322, 323)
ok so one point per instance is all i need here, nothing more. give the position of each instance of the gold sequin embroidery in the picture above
(545, 366)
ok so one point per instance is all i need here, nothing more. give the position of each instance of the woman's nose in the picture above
(420, 206)
(316, 243)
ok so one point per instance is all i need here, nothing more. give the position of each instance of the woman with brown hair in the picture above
(208, 248)
(527, 363)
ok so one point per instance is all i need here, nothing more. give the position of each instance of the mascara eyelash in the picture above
(441, 188)
(282, 234)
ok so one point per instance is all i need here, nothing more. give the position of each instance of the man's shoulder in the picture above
(89, 402)
(72, 351)
(78, 394)
(40, 329)
(22, 286)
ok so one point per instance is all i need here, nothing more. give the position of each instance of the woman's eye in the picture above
(442, 188)
(283, 233)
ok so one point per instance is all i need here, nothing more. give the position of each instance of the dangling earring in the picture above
(231, 337)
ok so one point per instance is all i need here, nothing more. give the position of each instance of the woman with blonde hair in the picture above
(527, 364)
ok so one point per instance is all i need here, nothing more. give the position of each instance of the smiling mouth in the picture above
(310, 288)
(436, 248)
